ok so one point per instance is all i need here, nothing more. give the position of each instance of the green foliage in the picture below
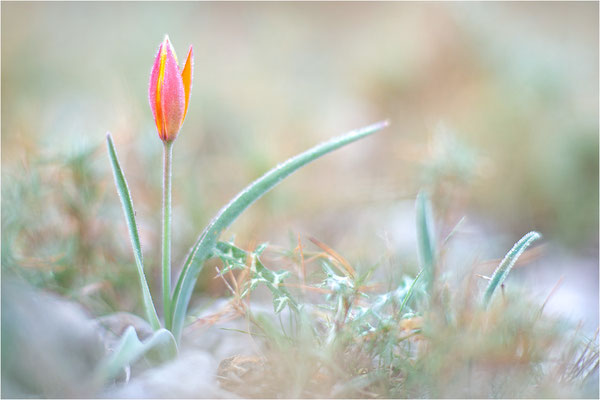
(426, 238)
(58, 232)
(205, 244)
(350, 340)
(507, 263)
(235, 258)
(158, 348)
(57, 221)
(129, 212)
(338, 336)
(343, 333)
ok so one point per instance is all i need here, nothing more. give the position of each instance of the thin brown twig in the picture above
(235, 285)
(341, 260)
(306, 287)
(554, 289)
(220, 275)
(302, 265)
(316, 257)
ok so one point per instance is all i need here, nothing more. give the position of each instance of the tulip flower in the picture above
(170, 90)
(169, 97)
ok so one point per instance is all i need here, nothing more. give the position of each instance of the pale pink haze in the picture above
(170, 90)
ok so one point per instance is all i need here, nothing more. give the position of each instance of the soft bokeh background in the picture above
(493, 108)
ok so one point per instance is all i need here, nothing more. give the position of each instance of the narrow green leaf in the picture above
(409, 293)
(426, 239)
(127, 204)
(454, 231)
(160, 347)
(203, 247)
(507, 263)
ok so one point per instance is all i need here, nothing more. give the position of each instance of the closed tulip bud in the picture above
(170, 90)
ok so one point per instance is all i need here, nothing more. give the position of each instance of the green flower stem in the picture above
(166, 232)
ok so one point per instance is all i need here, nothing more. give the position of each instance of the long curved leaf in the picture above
(507, 263)
(127, 204)
(203, 247)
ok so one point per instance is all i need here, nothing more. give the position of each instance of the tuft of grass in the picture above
(57, 232)
(335, 333)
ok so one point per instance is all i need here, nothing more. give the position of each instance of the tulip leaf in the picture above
(127, 204)
(425, 239)
(158, 348)
(507, 263)
(203, 247)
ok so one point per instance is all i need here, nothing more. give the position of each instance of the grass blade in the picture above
(507, 263)
(127, 204)
(426, 239)
(208, 239)
(409, 293)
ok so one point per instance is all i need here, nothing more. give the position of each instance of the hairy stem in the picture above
(166, 232)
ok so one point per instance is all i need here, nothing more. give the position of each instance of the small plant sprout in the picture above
(507, 263)
(169, 96)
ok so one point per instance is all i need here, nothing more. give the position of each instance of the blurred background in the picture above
(493, 109)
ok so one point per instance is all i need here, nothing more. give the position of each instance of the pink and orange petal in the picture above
(169, 91)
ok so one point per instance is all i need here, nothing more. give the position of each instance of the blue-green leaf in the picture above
(507, 263)
(426, 239)
(409, 293)
(160, 347)
(203, 247)
(127, 204)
